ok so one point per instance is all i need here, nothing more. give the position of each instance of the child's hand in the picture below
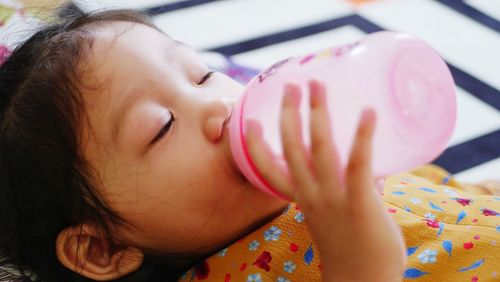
(356, 238)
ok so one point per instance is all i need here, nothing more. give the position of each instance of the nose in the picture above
(215, 115)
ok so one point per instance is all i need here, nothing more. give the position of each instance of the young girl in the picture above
(115, 166)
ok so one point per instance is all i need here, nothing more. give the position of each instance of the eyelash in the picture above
(206, 77)
(164, 130)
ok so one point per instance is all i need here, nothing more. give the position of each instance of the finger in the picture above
(264, 162)
(379, 184)
(291, 135)
(359, 177)
(325, 157)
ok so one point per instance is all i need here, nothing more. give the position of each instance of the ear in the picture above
(85, 251)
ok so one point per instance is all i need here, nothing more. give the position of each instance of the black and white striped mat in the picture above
(256, 33)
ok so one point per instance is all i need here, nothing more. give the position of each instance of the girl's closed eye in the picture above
(164, 130)
(206, 77)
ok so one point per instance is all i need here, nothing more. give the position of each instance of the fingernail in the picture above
(314, 83)
(368, 114)
(316, 97)
(254, 127)
(292, 96)
(379, 184)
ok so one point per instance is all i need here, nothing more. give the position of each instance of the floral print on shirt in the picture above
(451, 235)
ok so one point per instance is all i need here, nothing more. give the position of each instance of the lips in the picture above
(227, 147)
(223, 130)
(228, 117)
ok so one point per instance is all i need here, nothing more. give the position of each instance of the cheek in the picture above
(156, 208)
(184, 176)
(184, 179)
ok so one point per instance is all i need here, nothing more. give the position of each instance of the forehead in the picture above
(121, 47)
(117, 49)
(113, 31)
(116, 39)
(126, 57)
(122, 54)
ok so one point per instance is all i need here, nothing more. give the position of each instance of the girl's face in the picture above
(156, 136)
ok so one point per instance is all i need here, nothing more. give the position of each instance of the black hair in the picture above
(45, 183)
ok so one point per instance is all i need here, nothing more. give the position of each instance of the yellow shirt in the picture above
(451, 235)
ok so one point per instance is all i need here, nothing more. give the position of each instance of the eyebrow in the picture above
(118, 118)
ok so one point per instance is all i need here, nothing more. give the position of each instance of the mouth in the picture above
(229, 155)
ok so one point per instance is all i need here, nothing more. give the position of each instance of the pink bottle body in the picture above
(401, 77)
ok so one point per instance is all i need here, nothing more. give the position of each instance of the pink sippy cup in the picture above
(401, 77)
